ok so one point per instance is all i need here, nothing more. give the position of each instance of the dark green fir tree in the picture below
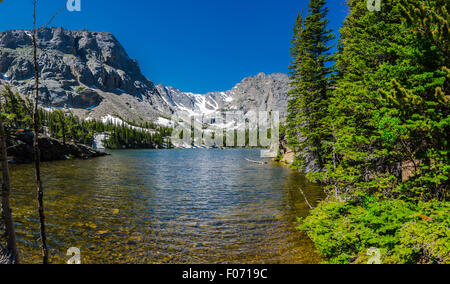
(310, 78)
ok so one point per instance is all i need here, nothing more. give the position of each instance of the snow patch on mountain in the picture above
(109, 119)
(5, 77)
(165, 122)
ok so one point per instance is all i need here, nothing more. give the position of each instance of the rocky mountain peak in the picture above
(70, 61)
(263, 92)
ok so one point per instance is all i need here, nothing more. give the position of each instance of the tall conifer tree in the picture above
(293, 119)
(389, 109)
(311, 82)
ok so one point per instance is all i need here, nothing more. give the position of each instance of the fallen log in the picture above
(256, 162)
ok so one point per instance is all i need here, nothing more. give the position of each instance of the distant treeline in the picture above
(64, 125)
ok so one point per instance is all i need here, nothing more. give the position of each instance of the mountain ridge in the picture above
(91, 73)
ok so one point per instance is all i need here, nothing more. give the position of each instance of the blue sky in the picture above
(193, 45)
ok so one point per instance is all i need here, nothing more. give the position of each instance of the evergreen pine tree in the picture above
(293, 119)
(307, 129)
(389, 109)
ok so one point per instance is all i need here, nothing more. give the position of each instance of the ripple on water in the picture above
(168, 206)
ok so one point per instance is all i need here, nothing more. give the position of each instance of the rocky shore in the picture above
(20, 149)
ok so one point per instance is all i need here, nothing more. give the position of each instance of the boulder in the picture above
(20, 149)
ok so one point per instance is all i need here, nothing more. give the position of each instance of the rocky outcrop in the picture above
(288, 156)
(68, 60)
(20, 149)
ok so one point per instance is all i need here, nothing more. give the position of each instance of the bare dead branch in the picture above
(51, 20)
(306, 199)
(34, 16)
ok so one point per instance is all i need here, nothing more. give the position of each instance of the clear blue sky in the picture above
(193, 45)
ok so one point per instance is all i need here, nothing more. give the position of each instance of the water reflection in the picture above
(174, 206)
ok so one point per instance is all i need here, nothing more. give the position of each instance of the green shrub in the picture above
(427, 241)
(80, 89)
(403, 232)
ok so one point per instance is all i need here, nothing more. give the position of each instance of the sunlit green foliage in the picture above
(390, 107)
(388, 170)
(403, 232)
(128, 137)
(16, 111)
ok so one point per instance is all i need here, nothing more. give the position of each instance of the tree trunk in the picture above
(37, 156)
(63, 124)
(11, 245)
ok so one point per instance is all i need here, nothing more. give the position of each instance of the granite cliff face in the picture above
(91, 73)
(80, 69)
